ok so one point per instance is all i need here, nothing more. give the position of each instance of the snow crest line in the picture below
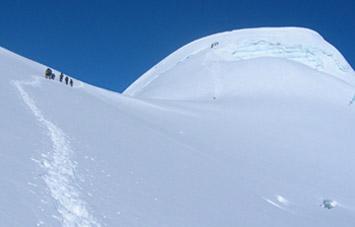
(60, 169)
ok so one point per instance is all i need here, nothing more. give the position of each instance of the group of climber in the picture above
(49, 74)
(213, 45)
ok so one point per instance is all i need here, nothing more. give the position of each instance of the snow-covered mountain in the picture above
(252, 127)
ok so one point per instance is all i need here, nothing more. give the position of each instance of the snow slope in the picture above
(218, 136)
(211, 53)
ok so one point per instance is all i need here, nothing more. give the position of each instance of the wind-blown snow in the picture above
(246, 133)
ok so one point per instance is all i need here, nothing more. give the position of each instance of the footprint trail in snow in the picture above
(59, 168)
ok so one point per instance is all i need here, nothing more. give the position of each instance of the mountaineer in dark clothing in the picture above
(53, 76)
(48, 73)
(66, 80)
(71, 82)
(61, 77)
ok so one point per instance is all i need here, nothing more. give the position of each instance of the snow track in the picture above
(59, 168)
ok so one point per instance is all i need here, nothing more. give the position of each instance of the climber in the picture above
(48, 73)
(61, 77)
(214, 44)
(66, 80)
(71, 83)
(53, 76)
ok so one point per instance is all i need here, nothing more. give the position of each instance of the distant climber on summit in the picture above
(66, 80)
(61, 77)
(214, 44)
(71, 83)
(48, 73)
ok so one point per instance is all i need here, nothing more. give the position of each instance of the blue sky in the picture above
(111, 43)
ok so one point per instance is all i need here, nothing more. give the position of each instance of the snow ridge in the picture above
(59, 168)
(299, 45)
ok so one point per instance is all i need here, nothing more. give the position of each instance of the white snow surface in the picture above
(256, 131)
(198, 64)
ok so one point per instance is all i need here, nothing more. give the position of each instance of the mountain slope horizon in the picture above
(300, 45)
(245, 128)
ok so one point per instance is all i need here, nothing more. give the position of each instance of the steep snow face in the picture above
(220, 51)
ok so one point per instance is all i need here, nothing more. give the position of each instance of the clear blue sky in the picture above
(111, 43)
